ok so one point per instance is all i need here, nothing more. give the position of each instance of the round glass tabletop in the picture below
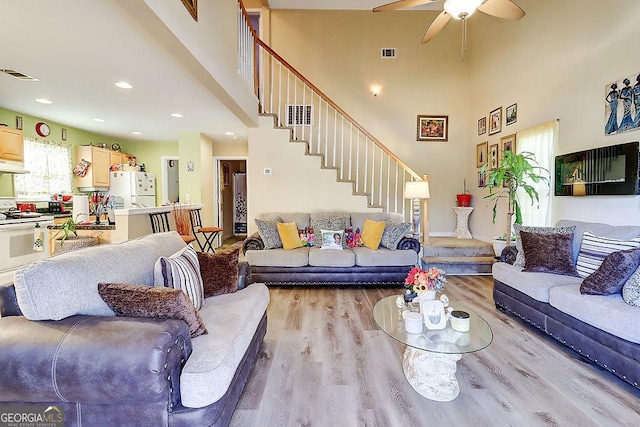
(388, 317)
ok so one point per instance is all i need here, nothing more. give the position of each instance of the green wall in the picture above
(147, 152)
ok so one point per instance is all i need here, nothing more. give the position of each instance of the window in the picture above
(50, 170)
(539, 140)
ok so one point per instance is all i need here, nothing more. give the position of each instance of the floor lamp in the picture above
(416, 191)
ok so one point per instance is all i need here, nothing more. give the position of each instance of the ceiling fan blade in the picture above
(435, 27)
(502, 9)
(402, 4)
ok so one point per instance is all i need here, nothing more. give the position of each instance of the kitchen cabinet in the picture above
(11, 144)
(98, 172)
(118, 157)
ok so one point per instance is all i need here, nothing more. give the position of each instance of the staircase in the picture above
(327, 131)
(458, 256)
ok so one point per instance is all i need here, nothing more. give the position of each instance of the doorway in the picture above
(232, 198)
(170, 180)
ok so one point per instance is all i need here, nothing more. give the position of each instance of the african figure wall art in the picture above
(622, 105)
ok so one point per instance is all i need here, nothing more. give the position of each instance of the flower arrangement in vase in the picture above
(425, 284)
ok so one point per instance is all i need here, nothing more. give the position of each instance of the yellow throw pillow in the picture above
(372, 233)
(288, 232)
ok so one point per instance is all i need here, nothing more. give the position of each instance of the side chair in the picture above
(208, 234)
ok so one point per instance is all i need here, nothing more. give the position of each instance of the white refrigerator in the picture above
(137, 189)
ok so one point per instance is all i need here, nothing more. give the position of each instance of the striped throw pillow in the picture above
(182, 271)
(594, 249)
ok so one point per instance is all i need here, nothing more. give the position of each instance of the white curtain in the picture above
(539, 140)
(49, 164)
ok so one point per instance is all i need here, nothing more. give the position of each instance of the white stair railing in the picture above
(327, 130)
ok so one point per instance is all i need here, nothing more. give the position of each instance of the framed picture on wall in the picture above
(508, 143)
(481, 154)
(482, 126)
(18, 122)
(493, 156)
(482, 179)
(433, 128)
(512, 114)
(495, 121)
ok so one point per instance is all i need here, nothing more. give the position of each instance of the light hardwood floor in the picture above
(325, 363)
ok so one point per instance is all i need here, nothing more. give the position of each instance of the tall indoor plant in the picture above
(513, 172)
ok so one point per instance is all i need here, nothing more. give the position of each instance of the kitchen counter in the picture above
(90, 226)
(134, 222)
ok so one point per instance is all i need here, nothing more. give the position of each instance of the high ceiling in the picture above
(79, 49)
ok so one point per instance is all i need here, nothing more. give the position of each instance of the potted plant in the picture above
(500, 242)
(464, 198)
(67, 242)
(515, 171)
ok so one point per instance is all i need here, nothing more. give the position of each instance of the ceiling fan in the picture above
(459, 9)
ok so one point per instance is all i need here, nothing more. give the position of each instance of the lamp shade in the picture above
(416, 190)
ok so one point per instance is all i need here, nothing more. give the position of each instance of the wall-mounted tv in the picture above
(600, 171)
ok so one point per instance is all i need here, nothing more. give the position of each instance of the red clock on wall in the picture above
(42, 129)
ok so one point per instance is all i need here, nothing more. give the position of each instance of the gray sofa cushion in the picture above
(393, 233)
(268, 230)
(622, 232)
(67, 284)
(357, 218)
(331, 258)
(631, 289)
(609, 313)
(298, 257)
(232, 320)
(366, 257)
(300, 218)
(594, 250)
(535, 285)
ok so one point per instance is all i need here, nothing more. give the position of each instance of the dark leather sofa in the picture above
(591, 344)
(109, 371)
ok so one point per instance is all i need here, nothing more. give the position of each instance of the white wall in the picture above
(339, 52)
(212, 44)
(554, 64)
(297, 183)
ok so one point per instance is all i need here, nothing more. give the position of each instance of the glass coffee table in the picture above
(430, 359)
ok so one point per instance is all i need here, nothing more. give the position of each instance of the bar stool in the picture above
(209, 234)
(160, 224)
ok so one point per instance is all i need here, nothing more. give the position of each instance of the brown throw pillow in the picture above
(612, 274)
(219, 272)
(548, 253)
(152, 301)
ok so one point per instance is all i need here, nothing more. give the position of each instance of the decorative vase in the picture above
(426, 296)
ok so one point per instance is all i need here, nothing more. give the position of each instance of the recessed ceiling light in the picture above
(178, 115)
(135, 132)
(43, 101)
(99, 120)
(229, 133)
(124, 85)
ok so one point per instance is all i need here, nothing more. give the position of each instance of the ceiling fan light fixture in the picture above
(461, 9)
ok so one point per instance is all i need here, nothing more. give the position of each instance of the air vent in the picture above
(299, 115)
(19, 75)
(388, 52)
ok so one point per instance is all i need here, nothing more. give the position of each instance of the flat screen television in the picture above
(600, 171)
